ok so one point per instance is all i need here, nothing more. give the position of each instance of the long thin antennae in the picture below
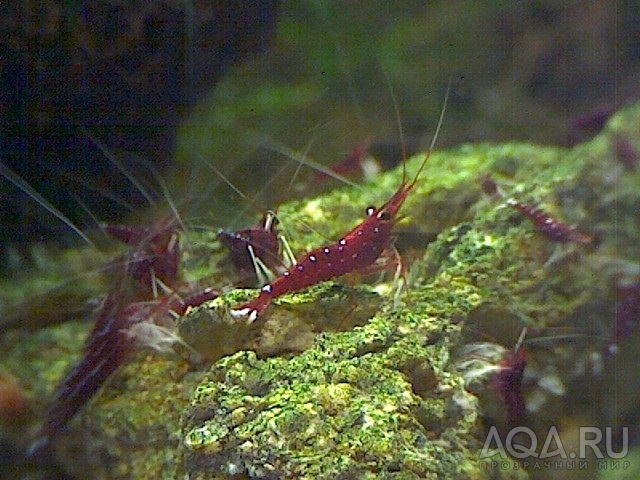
(87, 210)
(226, 180)
(299, 165)
(103, 193)
(20, 183)
(264, 141)
(343, 63)
(440, 120)
(436, 133)
(521, 339)
(167, 196)
(119, 165)
(396, 110)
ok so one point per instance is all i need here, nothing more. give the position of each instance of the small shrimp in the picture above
(504, 368)
(358, 162)
(358, 249)
(154, 255)
(552, 228)
(120, 328)
(507, 383)
(258, 253)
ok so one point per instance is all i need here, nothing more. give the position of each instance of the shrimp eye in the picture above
(370, 211)
(386, 216)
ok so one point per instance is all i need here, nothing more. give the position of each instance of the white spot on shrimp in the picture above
(313, 258)
(267, 288)
(242, 312)
(342, 241)
(251, 314)
(376, 230)
(326, 250)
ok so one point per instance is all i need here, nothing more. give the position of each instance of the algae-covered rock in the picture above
(365, 381)
(376, 402)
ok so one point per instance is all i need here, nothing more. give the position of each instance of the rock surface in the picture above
(360, 382)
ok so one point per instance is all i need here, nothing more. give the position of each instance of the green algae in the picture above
(39, 359)
(324, 414)
(359, 382)
(138, 417)
(51, 287)
(488, 264)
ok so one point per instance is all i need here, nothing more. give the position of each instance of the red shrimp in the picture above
(505, 369)
(356, 250)
(253, 250)
(125, 323)
(507, 383)
(552, 228)
(119, 329)
(357, 162)
(155, 252)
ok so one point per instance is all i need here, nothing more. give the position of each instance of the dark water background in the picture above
(309, 76)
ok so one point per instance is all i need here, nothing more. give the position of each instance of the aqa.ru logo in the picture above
(526, 445)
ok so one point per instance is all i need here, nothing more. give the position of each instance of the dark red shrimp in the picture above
(254, 249)
(552, 228)
(503, 369)
(123, 323)
(589, 124)
(155, 252)
(115, 335)
(358, 249)
(507, 383)
(357, 162)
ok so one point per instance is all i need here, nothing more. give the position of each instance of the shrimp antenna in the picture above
(436, 133)
(343, 63)
(167, 195)
(299, 165)
(87, 210)
(118, 164)
(265, 141)
(396, 110)
(226, 180)
(20, 183)
(523, 334)
(441, 118)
